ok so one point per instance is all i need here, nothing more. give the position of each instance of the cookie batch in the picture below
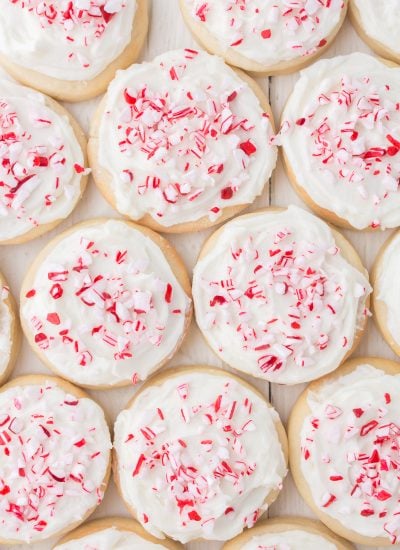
(178, 144)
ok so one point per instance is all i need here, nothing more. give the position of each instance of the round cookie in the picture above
(10, 333)
(386, 295)
(265, 36)
(182, 142)
(377, 24)
(210, 446)
(42, 163)
(280, 295)
(288, 533)
(106, 303)
(55, 461)
(344, 453)
(71, 49)
(341, 143)
(114, 534)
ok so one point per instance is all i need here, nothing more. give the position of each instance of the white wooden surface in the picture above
(167, 31)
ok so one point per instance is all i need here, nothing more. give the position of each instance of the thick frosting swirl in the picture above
(55, 454)
(197, 455)
(380, 21)
(183, 137)
(350, 451)
(104, 306)
(41, 162)
(5, 328)
(65, 39)
(289, 540)
(110, 539)
(340, 134)
(275, 297)
(268, 31)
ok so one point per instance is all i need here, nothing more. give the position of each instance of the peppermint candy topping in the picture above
(55, 452)
(111, 308)
(340, 135)
(41, 162)
(351, 452)
(275, 303)
(70, 16)
(189, 138)
(197, 453)
(269, 31)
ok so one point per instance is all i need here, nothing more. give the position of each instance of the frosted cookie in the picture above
(182, 142)
(386, 296)
(199, 454)
(10, 338)
(341, 141)
(344, 432)
(70, 49)
(113, 534)
(288, 533)
(42, 163)
(106, 303)
(280, 295)
(377, 23)
(265, 36)
(55, 448)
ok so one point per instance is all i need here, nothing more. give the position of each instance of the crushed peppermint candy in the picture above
(350, 451)
(268, 31)
(275, 297)
(195, 463)
(41, 162)
(104, 306)
(340, 134)
(55, 451)
(79, 24)
(184, 137)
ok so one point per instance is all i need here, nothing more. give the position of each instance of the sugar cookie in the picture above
(182, 142)
(344, 450)
(199, 453)
(106, 303)
(280, 295)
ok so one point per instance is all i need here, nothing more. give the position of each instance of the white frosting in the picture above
(5, 329)
(69, 40)
(110, 539)
(183, 137)
(275, 298)
(41, 162)
(380, 21)
(197, 456)
(340, 133)
(350, 451)
(289, 540)
(268, 31)
(104, 306)
(387, 289)
(55, 452)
